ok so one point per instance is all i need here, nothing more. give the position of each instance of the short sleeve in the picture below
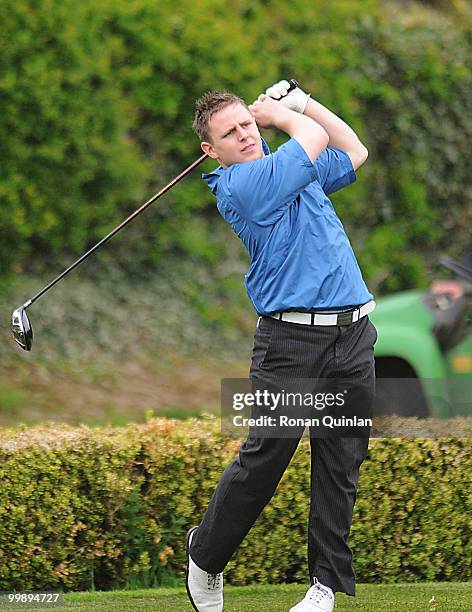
(261, 190)
(334, 170)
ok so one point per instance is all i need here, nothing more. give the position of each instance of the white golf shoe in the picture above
(319, 598)
(204, 590)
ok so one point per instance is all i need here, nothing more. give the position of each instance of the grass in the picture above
(12, 399)
(104, 361)
(119, 394)
(427, 597)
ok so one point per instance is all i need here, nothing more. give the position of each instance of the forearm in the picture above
(340, 134)
(312, 136)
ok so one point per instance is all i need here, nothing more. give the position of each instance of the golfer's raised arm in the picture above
(306, 131)
(340, 134)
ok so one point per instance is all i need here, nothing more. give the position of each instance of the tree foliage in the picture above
(96, 104)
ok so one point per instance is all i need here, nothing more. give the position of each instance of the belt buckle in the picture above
(344, 318)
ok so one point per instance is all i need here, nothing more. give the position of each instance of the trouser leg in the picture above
(335, 464)
(244, 489)
(250, 481)
(334, 478)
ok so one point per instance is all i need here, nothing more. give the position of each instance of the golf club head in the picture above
(21, 328)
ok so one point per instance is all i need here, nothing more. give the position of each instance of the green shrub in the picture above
(107, 508)
(67, 157)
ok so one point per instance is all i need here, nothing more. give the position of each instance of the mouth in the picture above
(249, 148)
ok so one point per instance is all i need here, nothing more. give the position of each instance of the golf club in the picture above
(20, 323)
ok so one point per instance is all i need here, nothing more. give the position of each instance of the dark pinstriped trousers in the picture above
(284, 349)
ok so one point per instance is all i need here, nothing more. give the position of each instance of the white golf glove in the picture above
(296, 100)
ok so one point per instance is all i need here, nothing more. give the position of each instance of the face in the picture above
(234, 136)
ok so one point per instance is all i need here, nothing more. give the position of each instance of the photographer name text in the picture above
(285, 421)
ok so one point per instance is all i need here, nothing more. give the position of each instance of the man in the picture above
(306, 286)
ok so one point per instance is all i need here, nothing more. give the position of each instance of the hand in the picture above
(450, 287)
(266, 111)
(296, 100)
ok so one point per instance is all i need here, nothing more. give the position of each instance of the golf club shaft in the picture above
(117, 229)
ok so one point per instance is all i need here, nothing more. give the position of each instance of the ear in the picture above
(208, 148)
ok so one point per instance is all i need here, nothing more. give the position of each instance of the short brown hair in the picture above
(207, 105)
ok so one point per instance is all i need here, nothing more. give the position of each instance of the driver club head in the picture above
(21, 328)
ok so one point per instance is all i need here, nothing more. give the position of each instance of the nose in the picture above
(242, 133)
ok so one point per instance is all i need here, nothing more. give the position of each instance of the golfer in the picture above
(305, 284)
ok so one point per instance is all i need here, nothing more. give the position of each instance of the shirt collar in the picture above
(211, 178)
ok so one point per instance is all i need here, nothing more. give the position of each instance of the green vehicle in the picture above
(423, 354)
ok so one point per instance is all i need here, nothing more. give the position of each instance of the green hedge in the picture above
(83, 508)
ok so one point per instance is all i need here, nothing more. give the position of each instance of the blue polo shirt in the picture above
(278, 205)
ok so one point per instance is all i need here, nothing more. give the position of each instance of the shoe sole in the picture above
(187, 552)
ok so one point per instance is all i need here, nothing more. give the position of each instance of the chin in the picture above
(253, 156)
